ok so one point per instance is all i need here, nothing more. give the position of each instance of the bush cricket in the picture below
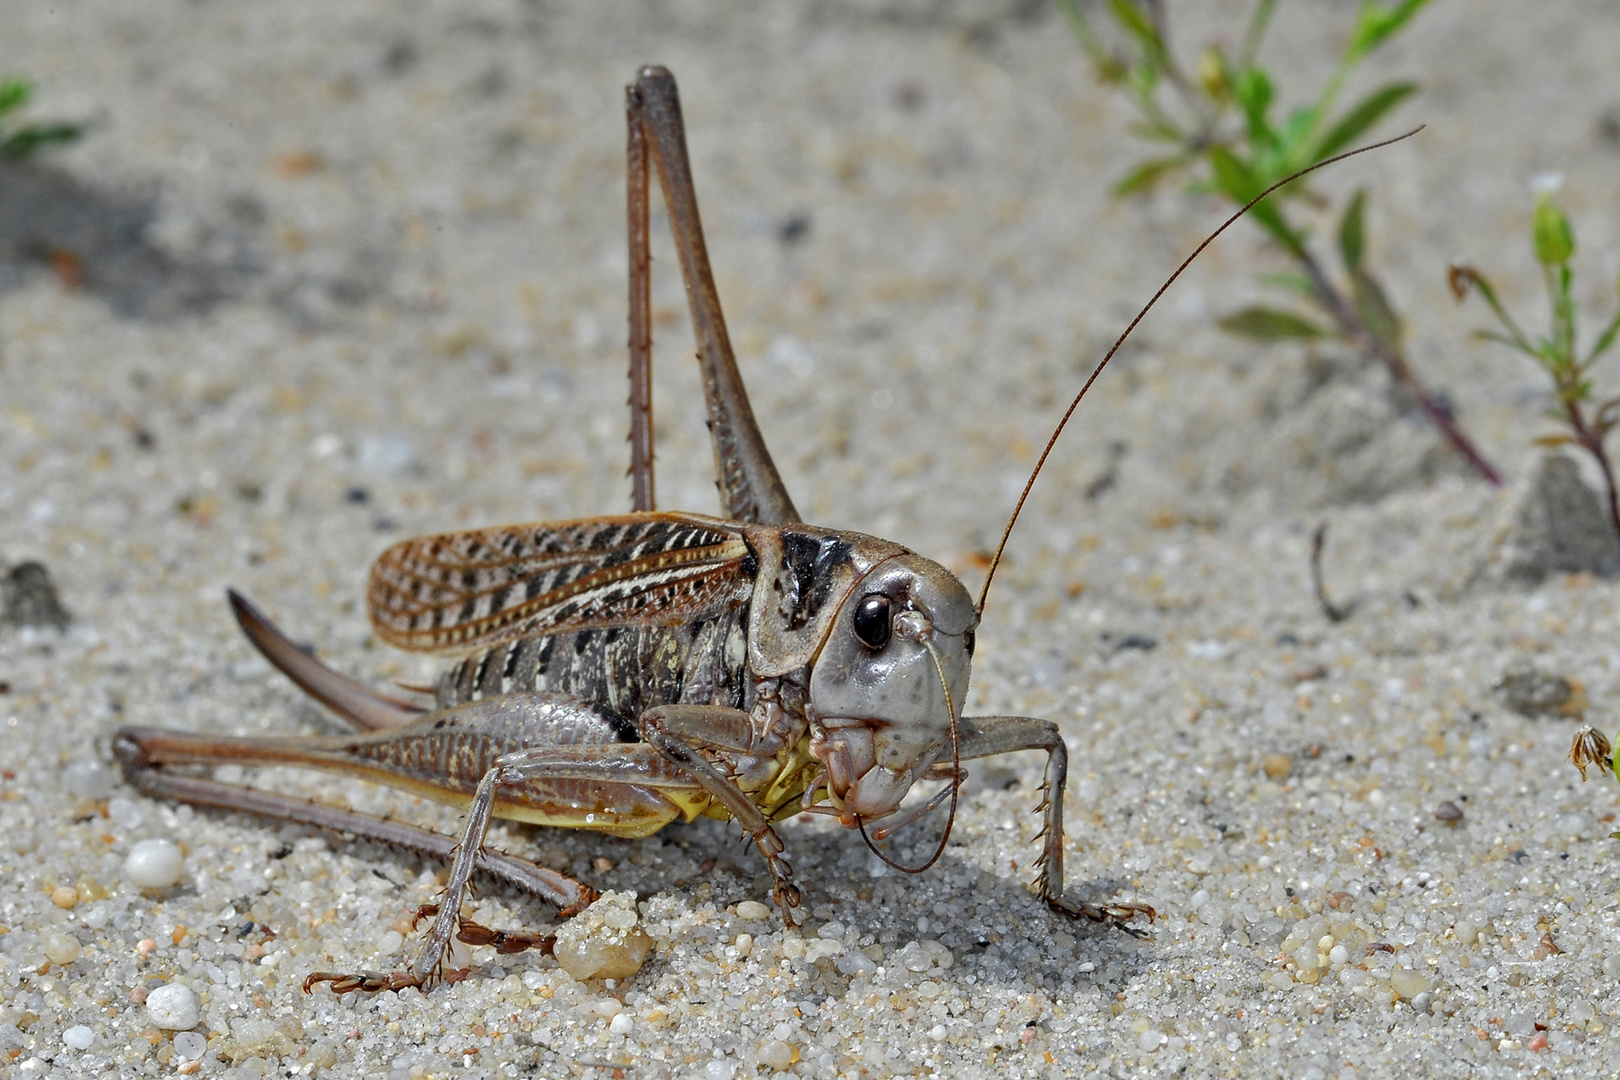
(620, 673)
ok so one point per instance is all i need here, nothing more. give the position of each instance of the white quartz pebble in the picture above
(172, 1007)
(189, 1045)
(154, 864)
(78, 1037)
(88, 778)
(753, 911)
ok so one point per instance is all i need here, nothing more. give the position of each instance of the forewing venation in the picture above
(467, 590)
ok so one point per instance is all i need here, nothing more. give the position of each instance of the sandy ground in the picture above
(346, 273)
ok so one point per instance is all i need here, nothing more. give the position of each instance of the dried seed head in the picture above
(1591, 747)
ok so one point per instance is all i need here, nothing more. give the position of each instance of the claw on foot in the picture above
(372, 982)
(369, 982)
(504, 942)
(587, 897)
(1118, 916)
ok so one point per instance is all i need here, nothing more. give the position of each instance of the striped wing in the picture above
(469, 590)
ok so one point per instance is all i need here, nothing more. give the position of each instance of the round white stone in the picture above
(78, 1037)
(189, 1045)
(173, 1007)
(88, 778)
(621, 1024)
(753, 911)
(154, 864)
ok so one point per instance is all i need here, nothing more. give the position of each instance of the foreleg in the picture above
(986, 736)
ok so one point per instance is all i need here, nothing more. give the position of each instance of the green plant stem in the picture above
(1591, 440)
(1353, 330)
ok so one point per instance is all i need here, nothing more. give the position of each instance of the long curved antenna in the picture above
(1109, 355)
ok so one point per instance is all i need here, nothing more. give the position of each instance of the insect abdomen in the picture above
(623, 669)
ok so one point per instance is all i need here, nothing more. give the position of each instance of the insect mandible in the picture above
(621, 673)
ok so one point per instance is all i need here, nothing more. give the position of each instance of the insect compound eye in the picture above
(872, 621)
(967, 641)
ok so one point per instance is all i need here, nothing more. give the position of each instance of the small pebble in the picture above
(1277, 766)
(719, 1069)
(832, 931)
(1449, 812)
(124, 813)
(1408, 983)
(65, 896)
(78, 1037)
(603, 941)
(189, 1045)
(61, 949)
(88, 778)
(154, 864)
(172, 1007)
(621, 1024)
(1150, 1040)
(753, 911)
(776, 1055)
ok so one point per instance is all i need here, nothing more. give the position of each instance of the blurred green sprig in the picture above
(1226, 133)
(1586, 419)
(19, 141)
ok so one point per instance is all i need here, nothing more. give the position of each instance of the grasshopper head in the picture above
(877, 690)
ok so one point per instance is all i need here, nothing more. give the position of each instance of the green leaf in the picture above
(1108, 68)
(1138, 24)
(1147, 174)
(1554, 241)
(1257, 30)
(1375, 24)
(14, 94)
(1374, 310)
(1156, 131)
(1234, 178)
(1363, 115)
(1608, 413)
(1350, 231)
(1269, 324)
(1605, 339)
(1293, 282)
(1253, 91)
(1295, 130)
(26, 141)
(1510, 342)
